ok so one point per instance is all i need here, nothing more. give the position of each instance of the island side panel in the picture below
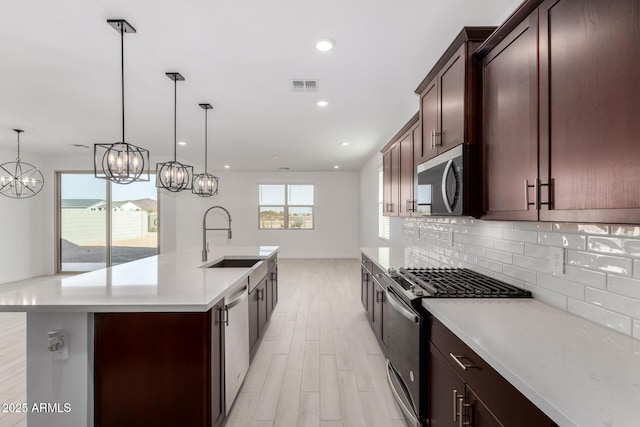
(151, 369)
(59, 392)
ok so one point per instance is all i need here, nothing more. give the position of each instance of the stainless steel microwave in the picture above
(446, 183)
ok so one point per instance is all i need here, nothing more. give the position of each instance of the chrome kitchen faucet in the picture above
(205, 245)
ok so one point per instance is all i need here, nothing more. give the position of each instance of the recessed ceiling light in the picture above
(344, 144)
(322, 103)
(227, 166)
(325, 45)
(182, 143)
(336, 167)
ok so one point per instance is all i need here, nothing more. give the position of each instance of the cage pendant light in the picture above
(20, 180)
(174, 176)
(121, 162)
(205, 184)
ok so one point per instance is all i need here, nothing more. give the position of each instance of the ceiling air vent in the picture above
(303, 85)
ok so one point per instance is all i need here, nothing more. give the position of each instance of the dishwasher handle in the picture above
(237, 298)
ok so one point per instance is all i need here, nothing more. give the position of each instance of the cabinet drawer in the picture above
(509, 405)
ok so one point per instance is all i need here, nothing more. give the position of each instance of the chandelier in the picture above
(174, 176)
(205, 184)
(20, 180)
(121, 162)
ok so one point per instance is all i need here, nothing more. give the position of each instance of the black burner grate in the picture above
(461, 283)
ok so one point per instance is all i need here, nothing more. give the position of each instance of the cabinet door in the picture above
(590, 110)
(364, 291)
(387, 197)
(274, 285)
(254, 302)
(218, 407)
(445, 390)
(262, 305)
(429, 123)
(378, 299)
(509, 141)
(406, 175)
(477, 414)
(269, 296)
(451, 102)
(370, 298)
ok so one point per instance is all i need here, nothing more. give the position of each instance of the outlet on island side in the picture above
(556, 260)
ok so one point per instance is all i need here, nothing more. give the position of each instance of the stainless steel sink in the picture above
(234, 263)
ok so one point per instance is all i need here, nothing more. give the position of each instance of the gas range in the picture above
(451, 283)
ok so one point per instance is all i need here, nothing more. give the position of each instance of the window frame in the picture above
(108, 230)
(286, 206)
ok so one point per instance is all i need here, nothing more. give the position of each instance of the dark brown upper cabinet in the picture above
(398, 170)
(586, 105)
(447, 103)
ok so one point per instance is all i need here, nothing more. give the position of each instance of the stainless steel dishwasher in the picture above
(236, 343)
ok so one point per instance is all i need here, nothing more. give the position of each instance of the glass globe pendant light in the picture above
(174, 176)
(20, 180)
(121, 162)
(205, 184)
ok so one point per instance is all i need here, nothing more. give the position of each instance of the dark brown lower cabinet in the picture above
(153, 369)
(262, 301)
(378, 300)
(464, 390)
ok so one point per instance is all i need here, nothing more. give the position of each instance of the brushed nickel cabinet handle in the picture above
(455, 405)
(462, 365)
(526, 194)
(435, 138)
(460, 419)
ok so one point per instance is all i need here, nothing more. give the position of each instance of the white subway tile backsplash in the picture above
(548, 297)
(610, 264)
(535, 226)
(581, 228)
(537, 264)
(536, 251)
(519, 273)
(613, 302)
(572, 241)
(625, 230)
(624, 286)
(490, 265)
(514, 247)
(601, 281)
(595, 279)
(565, 287)
(599, 315)
(500, 256)
(520, 235)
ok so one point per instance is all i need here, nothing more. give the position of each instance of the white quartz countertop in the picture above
(577, 372)
(173, 281)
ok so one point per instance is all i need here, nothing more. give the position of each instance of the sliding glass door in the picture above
(102, 224)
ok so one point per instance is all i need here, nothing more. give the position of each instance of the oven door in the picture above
(401, 334)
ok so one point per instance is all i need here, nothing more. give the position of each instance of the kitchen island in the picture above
(166, 303)
(577, 372)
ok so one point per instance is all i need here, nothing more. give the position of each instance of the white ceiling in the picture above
(60, 75)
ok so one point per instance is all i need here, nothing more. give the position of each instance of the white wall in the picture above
(22, 224)
(335, 233)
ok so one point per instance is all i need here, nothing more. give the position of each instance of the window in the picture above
(383, 221)
(285, 206)
(100, 224)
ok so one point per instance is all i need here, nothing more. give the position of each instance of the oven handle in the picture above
(406, 410)
(399, 305)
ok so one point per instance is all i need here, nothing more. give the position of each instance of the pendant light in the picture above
(22, 180)
(205, 184)
(121, 162)
(174, 176)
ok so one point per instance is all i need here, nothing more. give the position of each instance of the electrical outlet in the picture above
(556, 260)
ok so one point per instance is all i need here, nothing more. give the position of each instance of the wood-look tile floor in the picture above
(319, 363)
(13, 366)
